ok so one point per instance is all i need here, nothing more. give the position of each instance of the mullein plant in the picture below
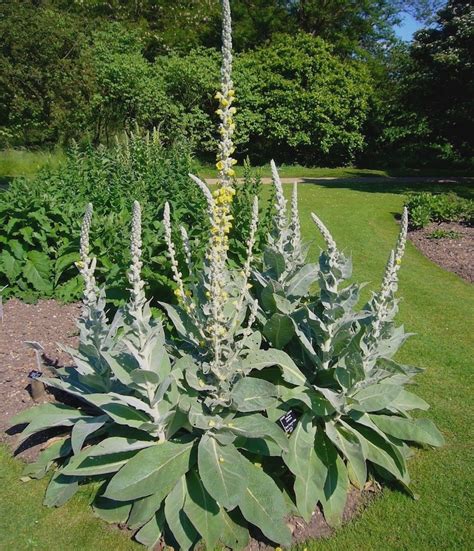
(180, 433)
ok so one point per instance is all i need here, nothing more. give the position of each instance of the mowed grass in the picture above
(436, 305)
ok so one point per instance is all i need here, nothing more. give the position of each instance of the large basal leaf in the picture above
(149, 469)
(310, 473)
(315, 401)
(56, 450)
(234, 534)
(37, 270)
(422, 431)
(45, 416)
(83, 429)
(335, 492)
(183, 531)
(151, 532)
(111, 511)
(60, 489)
(250, 394)
(202, 510)
(351, 448)
(221, 471)
(406, 401)
(279, 330)
(263, 505)
(381, 452)
(375, 397)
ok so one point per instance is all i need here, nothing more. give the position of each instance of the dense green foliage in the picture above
(441, 207)
(40, 218)
(356, 94)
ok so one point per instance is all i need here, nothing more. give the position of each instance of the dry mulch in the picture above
(51, 323)
(455, 255)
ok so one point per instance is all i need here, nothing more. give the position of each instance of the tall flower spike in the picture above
(137, 296)
(177, 275)
(295, 226)
(328, 238)
(85, 230)
(281, 219)
(87, 265)
(249, 257)
(187, 248)
(207, 194)
(226, 96)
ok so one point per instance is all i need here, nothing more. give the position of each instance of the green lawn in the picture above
(19, 162)
(297, 171)
(437, 306)
(16, 162)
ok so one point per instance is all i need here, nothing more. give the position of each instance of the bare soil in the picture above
(455, 255)
(51, 323)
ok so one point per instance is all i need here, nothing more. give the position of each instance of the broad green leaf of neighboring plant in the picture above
(37, 270)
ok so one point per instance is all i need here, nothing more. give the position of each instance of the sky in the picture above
(407, 27)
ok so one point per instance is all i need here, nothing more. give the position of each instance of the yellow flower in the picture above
(218, 95)
(188, 293)
(79, 264)
(233, 110)
(221, 459)
(224, 102)
(219, 112)
(233, 161)
(398, 261)
(219, 165)
(178, 292)
(231, 93)
(230, 172)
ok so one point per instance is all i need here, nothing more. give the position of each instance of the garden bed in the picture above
(453, 250)
(47, 322)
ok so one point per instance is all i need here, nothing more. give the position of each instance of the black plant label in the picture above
(34, 374)
(289, 421)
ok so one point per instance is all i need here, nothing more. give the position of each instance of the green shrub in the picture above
(427, 207)
(40, 218)
(444, 234)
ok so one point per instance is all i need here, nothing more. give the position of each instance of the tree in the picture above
(441, 84)
(45, 76)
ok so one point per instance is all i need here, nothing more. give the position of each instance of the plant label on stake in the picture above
(288, 421)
